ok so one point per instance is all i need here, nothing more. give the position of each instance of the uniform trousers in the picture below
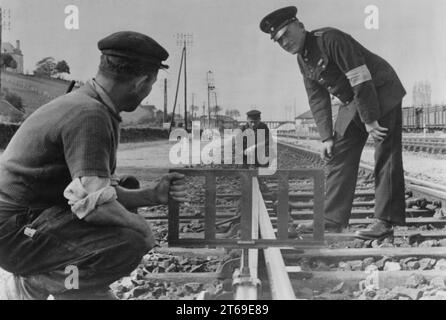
(342, 171)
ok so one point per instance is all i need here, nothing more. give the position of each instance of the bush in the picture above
(14, 99)
(142, 134)
(6, 133)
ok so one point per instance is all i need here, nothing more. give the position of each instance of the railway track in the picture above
(429, 145)
(432, 145)
(304, 270)
(347, 262)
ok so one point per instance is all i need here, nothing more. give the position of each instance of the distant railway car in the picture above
(410, 119)
(417, 119)
(435, 118)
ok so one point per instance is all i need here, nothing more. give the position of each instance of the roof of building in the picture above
(8, 110)
(7, 47)
(142, 111)
(220, 117)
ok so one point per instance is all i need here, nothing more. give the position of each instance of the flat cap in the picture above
(253, 114)
(278, 19)
(134, 46)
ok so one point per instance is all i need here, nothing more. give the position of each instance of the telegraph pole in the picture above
(185, 40)
(165, 101)
(176, 94)
(185, 87)
(211, 87)
(295, 114)
(193, 113)
(216, 109)
(295, 110)
(1, 31)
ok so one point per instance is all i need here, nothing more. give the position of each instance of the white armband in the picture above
(358, 75)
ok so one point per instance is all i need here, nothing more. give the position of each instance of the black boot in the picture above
(378, 230)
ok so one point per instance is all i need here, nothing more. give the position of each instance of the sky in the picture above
(249, 70)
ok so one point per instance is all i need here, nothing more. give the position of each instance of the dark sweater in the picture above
(72, 136)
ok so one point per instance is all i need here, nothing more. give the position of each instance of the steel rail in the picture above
(247, 287)
(279, 280)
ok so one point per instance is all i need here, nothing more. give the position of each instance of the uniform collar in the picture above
(311, 48)
(105, 98)
(308, 36)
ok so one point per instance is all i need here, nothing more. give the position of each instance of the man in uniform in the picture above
(332, 62)
(261, 138)
(255, 123)
(63, 212)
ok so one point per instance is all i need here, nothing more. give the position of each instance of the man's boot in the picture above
(378, 230)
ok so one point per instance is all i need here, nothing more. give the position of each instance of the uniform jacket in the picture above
(266, 136)
(263, 126)
(332, 62)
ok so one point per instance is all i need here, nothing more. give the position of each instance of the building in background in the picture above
(305, 123)
(220, 122)
(16, 54)
(143, 115)
(421, 94)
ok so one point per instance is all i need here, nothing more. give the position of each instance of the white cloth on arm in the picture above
(87, 193)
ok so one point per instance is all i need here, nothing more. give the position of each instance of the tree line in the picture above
(48, 67)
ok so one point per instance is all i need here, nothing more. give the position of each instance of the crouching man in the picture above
(61, 205)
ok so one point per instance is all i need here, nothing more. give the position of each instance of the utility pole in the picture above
(295, 111)
(1, 31)
(295, 114)
(185, 87)
(211, 87)
(185, 40)
(165, 101)
(176, 94)
(193, 112)
(216, 109)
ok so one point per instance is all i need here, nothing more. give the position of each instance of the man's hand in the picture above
(377, 132)
(327, 149)
(173, 184)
